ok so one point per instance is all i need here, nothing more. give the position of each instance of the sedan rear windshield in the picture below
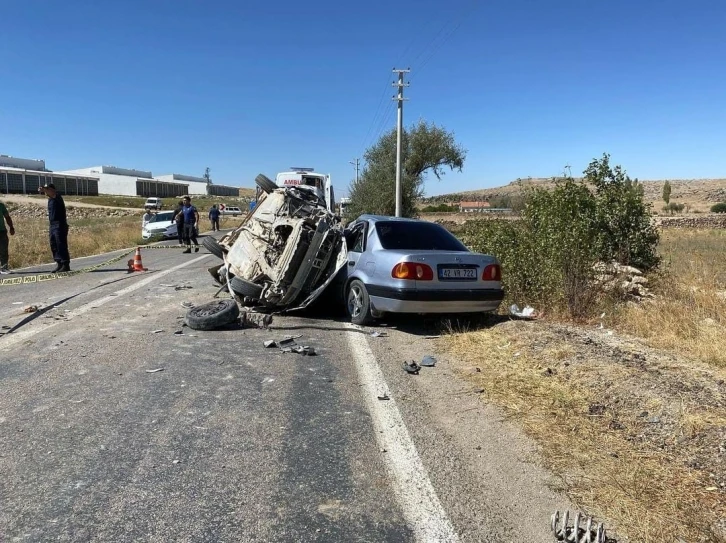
(416, 236)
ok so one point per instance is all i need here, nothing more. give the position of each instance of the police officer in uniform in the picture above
(58, 228)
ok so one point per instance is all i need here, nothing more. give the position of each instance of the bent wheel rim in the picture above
(355, 301)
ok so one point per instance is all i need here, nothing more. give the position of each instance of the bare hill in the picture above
(697, 194)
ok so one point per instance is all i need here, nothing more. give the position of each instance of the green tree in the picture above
(623, 222)
(425, 148)
(667, 192)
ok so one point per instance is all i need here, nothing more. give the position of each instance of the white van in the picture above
(153, 203)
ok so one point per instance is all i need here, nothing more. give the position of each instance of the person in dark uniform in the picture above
(190, 216)
(58, 228)
(214, 218)
(179, 222)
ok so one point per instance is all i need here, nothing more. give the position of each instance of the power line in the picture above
(464, 15)
(375, 116)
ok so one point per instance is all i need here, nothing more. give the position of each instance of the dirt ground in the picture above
(638, 434)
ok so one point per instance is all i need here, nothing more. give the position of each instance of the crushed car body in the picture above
(285, 252)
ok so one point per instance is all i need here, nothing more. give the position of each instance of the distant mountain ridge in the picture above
(698, 194)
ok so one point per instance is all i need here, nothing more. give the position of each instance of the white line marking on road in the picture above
(416, 495)
(11, 339)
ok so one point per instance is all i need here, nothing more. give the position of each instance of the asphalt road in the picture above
(232, 441)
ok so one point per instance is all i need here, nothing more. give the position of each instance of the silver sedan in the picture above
(412, 266)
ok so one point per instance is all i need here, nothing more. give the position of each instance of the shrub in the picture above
(548, 254)
(719, 208)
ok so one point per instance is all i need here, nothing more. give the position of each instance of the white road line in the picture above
(416, 495)
(16, 337)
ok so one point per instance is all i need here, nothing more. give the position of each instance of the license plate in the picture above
(468, 274)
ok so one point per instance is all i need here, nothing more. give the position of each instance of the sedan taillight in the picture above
(493, 272)
(412, 270)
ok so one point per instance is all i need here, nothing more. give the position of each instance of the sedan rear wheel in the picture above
(358, 303)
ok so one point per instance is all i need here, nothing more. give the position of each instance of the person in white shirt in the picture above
(146, 218)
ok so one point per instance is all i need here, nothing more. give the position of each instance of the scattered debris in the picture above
(411, 367)
(4, 327)
(155, 370)
(159, 331)
(428, 361)
(577, 533)
(182, 287)
(432, 337)
(178, 332)
(176, 461)
(527, 313)
(187, 304)
(384, 397)
(304, 350)
(258, 320)
(30, 309)
(270, 343)
(379, 334)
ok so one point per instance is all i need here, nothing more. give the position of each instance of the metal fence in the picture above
(160, 189)
(19, 183)
(222, 190)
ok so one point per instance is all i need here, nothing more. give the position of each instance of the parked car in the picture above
(226, 210)
(412, 266)
(161, 224)
(153, 203)
(285, 253)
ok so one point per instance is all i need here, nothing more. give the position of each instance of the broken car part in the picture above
(582, 530)
(212, 315)
(428, 361)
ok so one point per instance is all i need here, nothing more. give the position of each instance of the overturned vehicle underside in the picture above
(285, 252)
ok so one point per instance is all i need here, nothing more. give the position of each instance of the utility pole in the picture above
(399, 124)
(356, 164)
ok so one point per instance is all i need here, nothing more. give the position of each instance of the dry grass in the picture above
(689, 316)
(596, 445)
(30, 245)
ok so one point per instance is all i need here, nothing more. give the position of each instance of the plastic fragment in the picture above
(428, 361)
(155, 370)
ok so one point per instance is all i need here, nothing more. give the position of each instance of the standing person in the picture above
(146, 218)
(58, 228)
(179, 221)
(4, 240)
(214, 218)
(191, 218)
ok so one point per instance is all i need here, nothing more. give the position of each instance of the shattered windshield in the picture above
(416, 236)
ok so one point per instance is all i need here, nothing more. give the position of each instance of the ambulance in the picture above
(307, 178)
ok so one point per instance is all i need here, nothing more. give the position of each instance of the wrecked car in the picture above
(285, 252)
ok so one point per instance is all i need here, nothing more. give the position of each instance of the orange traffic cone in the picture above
(138, 266)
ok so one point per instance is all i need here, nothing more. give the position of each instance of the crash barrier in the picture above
(582, 530)
(42, 277)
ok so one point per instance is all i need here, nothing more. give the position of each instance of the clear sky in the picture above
(528, 86)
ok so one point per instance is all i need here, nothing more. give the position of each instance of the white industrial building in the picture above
(199, 185)
(25, 175)
(130, 182)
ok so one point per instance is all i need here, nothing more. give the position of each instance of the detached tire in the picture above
(265, 183)
(211, 245)
(245, 289)
(357, 303)
(212, 315)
